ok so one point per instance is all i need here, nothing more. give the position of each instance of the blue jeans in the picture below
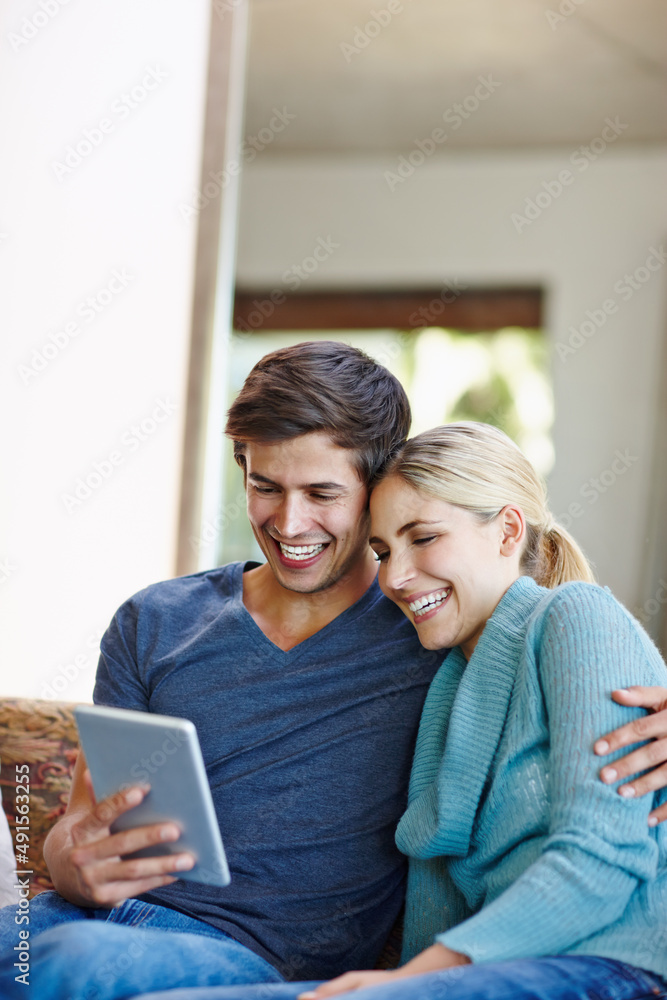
(99, 954)
(560, 978)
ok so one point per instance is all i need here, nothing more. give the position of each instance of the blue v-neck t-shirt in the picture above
(307, 751)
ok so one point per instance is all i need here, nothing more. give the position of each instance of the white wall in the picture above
(452, 217)
(64, 571)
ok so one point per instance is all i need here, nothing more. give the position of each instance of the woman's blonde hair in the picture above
(477, 467)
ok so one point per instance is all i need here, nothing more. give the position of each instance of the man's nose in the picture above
(291, 519)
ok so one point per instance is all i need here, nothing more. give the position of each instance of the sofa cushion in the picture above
(43, 736)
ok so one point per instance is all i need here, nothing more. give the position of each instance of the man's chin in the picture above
(312, 580)
(301, 583)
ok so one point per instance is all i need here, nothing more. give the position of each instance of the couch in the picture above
(42, 737)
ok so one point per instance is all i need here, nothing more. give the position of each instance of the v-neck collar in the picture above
(288, 656)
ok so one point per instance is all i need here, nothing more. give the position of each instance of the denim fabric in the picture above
(560, 978)
(101, 954)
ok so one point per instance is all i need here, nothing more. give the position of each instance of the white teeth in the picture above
(297, 553)
(430, 601)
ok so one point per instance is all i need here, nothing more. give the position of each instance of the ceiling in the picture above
(556, 68)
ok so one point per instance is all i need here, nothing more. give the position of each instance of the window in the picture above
(499, 375)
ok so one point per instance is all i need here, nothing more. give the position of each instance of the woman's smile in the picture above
(427, 604)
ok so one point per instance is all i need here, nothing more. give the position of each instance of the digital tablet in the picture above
(126, 748)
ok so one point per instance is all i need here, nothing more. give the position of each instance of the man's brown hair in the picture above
(322, 386)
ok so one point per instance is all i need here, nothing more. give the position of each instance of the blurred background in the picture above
(470, 190)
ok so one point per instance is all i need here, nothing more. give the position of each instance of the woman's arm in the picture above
(652, 757)
(599, 845)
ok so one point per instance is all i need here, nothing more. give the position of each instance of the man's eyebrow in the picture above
(401, 531)
(256, 477)
(261, 479)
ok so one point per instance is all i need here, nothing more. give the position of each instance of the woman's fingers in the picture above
(345, 984)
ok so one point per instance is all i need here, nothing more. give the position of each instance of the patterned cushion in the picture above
(43, 735)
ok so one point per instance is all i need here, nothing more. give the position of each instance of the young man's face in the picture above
(308, 511)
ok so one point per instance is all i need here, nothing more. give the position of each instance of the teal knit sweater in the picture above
(516, 848)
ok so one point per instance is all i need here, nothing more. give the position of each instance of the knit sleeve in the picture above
(599, 845)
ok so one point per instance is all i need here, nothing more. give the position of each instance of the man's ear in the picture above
(513, 530)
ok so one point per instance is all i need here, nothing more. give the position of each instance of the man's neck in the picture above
(287, 617)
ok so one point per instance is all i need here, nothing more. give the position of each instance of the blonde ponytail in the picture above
(477, 467)
(552, 557)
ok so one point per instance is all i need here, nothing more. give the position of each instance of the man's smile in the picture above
(299, 555)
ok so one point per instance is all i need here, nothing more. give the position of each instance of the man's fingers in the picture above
(139, 869)
(649, 782)
(100, 818)
(114, 893)
(109, 882)
(643, 697)
(646, 727)
(658, 815)
(88, 782)
(651, 755)
(127, 842)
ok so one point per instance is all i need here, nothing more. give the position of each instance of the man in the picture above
(305, 685)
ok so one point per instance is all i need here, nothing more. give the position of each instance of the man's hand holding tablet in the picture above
(132, 837)
(103, 875)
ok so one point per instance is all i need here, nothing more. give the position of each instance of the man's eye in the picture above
(381, 556)
(264, 489)
(324, 496)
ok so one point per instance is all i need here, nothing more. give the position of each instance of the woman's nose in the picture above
(398, 571)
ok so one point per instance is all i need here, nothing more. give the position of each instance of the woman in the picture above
(529, 877)
(516, 850)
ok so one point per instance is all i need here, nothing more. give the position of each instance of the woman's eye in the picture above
(423, 541)
(381, 556)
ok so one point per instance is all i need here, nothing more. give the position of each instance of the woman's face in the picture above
(446, 569)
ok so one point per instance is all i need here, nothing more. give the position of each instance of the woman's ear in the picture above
(513, 530)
